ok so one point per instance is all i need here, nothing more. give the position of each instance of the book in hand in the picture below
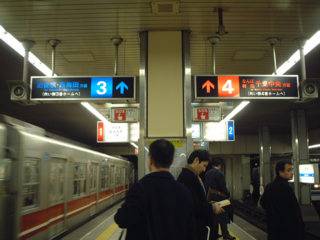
(224, 203)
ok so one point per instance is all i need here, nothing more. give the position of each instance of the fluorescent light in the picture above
(94, 111)
(134, 145)
(314, 146)
(236, 110)
(310, 44)
(17, 46)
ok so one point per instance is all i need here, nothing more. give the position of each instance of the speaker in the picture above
(309, 90)
(19, 91)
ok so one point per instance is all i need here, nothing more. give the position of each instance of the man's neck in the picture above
(154, 169)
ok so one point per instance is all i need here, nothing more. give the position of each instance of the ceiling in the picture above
(85, 28)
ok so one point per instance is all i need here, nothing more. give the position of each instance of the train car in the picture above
(48, 186)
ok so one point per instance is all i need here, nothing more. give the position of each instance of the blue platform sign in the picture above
(82, 88)
(231, 130)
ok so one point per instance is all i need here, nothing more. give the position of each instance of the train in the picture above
(49, 185)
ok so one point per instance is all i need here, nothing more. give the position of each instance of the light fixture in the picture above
(134, 145)
(94, 112)
(314, 146)
(235, 111)
(17, 46)
(309, 45)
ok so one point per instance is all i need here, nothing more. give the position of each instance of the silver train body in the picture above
(48, 186)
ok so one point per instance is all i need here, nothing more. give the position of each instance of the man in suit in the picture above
(157, 207)
(204, 211)
(284, 218)
(218, 191)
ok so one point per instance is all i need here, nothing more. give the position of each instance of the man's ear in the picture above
(196, 160)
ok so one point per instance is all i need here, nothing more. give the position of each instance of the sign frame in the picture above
(196, 97)
(126, 109)
(80, 99)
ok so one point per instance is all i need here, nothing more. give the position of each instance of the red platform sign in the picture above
(203, 113)
(120, 114)
(100, 132)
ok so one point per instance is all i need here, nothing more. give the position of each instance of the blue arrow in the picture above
(122, 86)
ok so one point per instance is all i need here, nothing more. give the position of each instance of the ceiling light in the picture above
(94, 112)
(235, 111)
(309, 45)
(17, 46)
(314, 146)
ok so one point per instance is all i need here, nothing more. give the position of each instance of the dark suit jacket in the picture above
(284, 218)
(215, 179)
(203, 210)
(157, 208)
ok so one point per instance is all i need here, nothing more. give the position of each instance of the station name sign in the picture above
(82, 88)
(246, 87)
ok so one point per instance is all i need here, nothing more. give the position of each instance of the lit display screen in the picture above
(82, 88)
(247, 87)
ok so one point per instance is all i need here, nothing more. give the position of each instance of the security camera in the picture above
(19, 91)
(309, 89)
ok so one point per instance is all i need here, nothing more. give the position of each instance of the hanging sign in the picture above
(246, 87)
(124, 114)
(212, 114)
(82, 88)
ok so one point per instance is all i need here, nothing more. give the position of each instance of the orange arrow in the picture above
(208, 85)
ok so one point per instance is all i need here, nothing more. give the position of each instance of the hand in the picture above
(219, 209)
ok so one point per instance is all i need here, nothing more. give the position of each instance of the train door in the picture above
(57, 192)
(93, 184)
(112, 178)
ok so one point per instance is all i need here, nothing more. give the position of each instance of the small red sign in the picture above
(100, 132)
(120, 114)
(203, 113)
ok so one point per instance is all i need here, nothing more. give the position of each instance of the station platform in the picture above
(103, 227)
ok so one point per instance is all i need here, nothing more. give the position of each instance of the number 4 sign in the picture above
(228, 86)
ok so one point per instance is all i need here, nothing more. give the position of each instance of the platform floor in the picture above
(103, 227)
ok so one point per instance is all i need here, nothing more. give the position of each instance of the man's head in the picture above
(217, 163)
(199, 160)
(161, 154)
(284, 169)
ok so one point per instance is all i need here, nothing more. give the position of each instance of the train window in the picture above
(79, 179)
(56, 180)
(118, 180)
(31, 182)
(92, 176)
(104, 177)
(123, 176)
(112, 175)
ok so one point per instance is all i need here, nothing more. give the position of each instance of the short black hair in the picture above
(161, 152)
(216, 162)
(281, 165)
(203, 155)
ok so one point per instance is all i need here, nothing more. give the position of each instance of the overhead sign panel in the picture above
(207, 113)
(124, 114)
(82, 88)
(247, 87)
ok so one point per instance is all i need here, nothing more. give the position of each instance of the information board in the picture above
(207, 113)
(124, 114)
(246, 87)
(82, 88)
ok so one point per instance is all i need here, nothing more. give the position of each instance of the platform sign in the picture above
(246, 87)
(218, 131)
(212, 113)
(124, 114)
(112, 132)
(82, 88)
(231, 130)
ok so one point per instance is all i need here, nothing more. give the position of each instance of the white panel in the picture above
(165, 99)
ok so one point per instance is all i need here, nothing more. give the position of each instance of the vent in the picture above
(78, 56)
(167, 8)
(249, 54)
